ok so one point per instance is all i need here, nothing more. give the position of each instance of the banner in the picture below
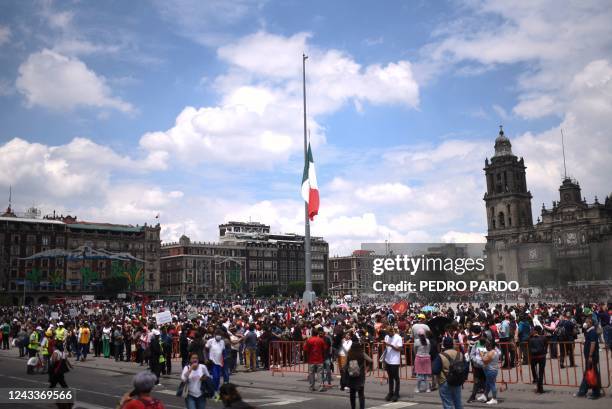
(163, 317)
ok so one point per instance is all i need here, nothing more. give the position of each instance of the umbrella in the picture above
(429, 308)
(437, 325)
(344, 306)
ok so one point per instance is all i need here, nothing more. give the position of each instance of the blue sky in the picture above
(117, 111)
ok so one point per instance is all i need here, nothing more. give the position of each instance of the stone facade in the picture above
(572, 241)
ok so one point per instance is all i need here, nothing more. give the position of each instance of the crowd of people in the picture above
(214, 338)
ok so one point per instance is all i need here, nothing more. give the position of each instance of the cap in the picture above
(60, 323)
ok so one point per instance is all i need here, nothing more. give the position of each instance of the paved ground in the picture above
(100, 383)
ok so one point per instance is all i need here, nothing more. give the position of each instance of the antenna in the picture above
(10, 195)
(563, 148)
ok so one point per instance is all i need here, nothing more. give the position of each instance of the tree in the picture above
(266, 290)
(295, 288)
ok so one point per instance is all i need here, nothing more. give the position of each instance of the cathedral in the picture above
(570, 241)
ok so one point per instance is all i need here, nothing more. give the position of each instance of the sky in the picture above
(119, 111)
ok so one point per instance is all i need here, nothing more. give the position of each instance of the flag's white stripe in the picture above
(305, 190)
(312, 176)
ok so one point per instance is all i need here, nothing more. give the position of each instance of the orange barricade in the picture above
(175, 347)
(288, 356)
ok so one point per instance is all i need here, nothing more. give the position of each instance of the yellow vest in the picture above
(33, 340)
(60, 334)
(45, 347)
(162, 358)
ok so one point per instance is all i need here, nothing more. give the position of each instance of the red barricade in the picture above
(288, 356)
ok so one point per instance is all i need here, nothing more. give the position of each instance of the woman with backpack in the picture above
(451, 367)
(422, 361)
(355, 372)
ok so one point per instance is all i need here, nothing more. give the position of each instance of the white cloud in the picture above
(500, 111)
(63, 83)
(5, 35)
(463, 237)
(257, 122)
(384, 192)
(535, 106)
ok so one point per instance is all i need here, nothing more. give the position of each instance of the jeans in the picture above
(361, 394)
(451, 396)
(312, 372)
(490, 377)
(394, 381)
(327, 373)
(195, 403)
(217, 372)
(479, 381)
(83, 350)
(422, 383)
(538, 375)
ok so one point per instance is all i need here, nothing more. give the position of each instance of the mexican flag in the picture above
(310, 190)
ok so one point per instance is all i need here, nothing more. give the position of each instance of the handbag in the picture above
(591, 377)
(183, 390)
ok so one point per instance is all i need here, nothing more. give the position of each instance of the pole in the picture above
(563, 148)
(309, 295)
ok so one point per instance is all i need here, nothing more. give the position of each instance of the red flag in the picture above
(400, 307)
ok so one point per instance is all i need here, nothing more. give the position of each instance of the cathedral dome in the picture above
(503, 147)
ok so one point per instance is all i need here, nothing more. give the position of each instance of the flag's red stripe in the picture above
(313, 203)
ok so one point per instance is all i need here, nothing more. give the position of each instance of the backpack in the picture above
(560, 332)
(353, 368)
(456, 370)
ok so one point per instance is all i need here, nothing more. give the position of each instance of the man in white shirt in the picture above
(215, 347)
(393, 353)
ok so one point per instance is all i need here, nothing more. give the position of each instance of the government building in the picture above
(246, 257)
(56, 257)
(571, 241)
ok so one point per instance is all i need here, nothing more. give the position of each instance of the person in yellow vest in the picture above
(84, 336)
(34, 343)
(45, 345)
(60, 336)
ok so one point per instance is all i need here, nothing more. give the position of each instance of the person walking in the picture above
(250, 349)
(447, 359)
(215, 348)
(354, 372)
(567, 335)
(6, 332)
(490, 360)
(84, 337)
(478, 369)
(343, 348)
(58, 367)
(106, 336)
(393, 352)
(537, 351)
(422, 362)
(315, 348)
(118, 341)
(591, 357)
(156, 358)
(193, 375)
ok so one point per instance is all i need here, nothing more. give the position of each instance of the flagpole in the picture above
(309, 295)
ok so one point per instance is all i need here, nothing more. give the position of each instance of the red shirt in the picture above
(139, 404)
(315, 348)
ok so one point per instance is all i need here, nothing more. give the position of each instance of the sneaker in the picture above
(388, 397)
(417, 390)
(394, 398)
(428, 391)
(492, 402)
(481, 398)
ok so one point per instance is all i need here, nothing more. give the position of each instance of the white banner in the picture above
(163, 317)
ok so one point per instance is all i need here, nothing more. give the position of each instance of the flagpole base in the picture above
(309, 297)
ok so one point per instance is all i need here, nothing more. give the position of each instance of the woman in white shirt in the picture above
(193, 374)
(345, 346)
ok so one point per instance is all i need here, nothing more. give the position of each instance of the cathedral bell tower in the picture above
(508, 202)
